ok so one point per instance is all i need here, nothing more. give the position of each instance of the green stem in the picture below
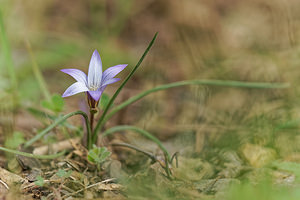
(89, 137)
(100, 121)
(140, 131)
(256, 85)
(59, 121)
(167, 169)
(52, 156)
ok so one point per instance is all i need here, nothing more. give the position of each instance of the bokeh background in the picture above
(253, 40)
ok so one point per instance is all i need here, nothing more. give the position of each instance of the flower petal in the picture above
(95, 71)
(111, 72)
(110, 81)
(77, 74)
(75, 88)
(97, 94)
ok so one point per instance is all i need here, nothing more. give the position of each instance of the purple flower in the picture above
(95, 82)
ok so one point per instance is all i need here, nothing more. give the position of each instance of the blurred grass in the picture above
(262, 191)
(7, 57)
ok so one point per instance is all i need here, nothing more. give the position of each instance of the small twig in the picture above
(5, 185)
(105, 181)
(209, 188)
(88, 187)
(56, 193)
(72, 165)
(67, 188)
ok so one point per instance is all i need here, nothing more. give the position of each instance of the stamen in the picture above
(93, 88)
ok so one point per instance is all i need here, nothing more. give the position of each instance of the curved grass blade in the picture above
(59, 121)
(255, 85)
(52, 156)
(140, 131)
(150, 155)
(100, 121)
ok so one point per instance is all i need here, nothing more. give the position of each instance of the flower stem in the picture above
(93, 104)
(92, 114)
(89, 135)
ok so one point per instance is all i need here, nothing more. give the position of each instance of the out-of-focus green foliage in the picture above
(291, 167)
(56, 104)
(63, 173)
(262, 191)
(39, 181)
(104, 101)
(15, 140)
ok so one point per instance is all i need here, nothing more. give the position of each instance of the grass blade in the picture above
(21, 153)
(255, 85)
(57, 122)
(140, 131)
(100, 121)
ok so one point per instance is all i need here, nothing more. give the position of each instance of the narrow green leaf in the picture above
(224, 83)
(57, 122)
(100, 121)
(30, 155)
(140, 131)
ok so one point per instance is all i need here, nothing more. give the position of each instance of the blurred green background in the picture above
(252, 40)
